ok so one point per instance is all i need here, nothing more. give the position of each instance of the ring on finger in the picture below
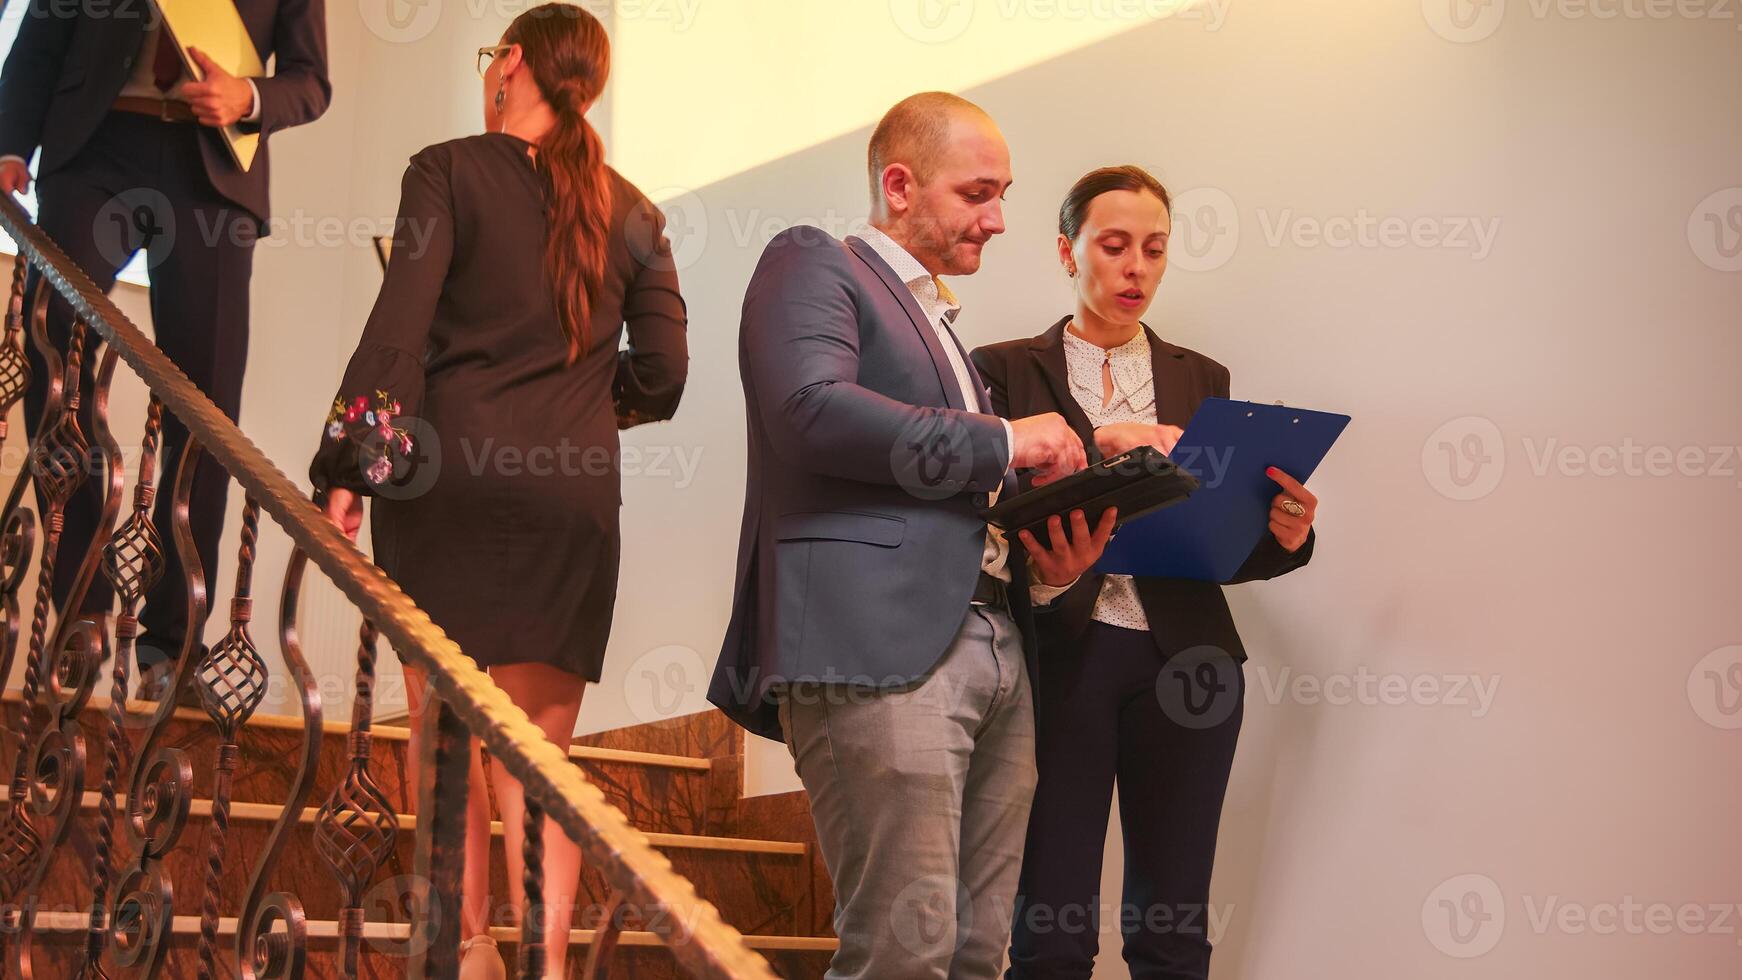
(1292, 507)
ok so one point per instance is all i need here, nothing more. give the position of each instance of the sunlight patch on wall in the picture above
(703, 89)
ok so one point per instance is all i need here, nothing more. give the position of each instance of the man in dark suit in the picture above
(875, 625)
(131, 158)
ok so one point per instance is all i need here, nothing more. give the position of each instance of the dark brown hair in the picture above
(1093, 184)
(570, 58)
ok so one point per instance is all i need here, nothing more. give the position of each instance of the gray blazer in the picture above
(862, 536)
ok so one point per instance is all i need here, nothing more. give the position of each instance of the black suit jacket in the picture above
(69, 63)
(1029, 377)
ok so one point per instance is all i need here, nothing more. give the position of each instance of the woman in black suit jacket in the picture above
(1141, 679)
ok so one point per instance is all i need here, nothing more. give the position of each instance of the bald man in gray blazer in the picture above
(880, 627)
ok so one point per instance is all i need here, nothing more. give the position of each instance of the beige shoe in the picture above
(481, 960)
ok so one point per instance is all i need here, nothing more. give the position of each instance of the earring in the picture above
(1072, 272)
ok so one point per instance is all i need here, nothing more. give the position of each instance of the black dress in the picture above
(494, 462)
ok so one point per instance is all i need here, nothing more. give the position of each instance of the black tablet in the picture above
(1137, 482)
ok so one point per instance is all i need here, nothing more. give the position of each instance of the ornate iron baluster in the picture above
(263, 953)
(232, 682)
(160, 790)
(17, 546)
(18, 540)
(133, 562)
(108, 452)
(443, 761)
(356, 827)
(14, 366)
(57, 763)
(57, 465)
(57, 759)
(532, 926)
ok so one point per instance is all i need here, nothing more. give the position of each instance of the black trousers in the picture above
(141, 184)
(1112, 710)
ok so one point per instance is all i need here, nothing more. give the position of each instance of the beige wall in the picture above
(1559, 634)
(1561, 302)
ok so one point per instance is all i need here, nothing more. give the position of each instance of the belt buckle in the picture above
(163, 110)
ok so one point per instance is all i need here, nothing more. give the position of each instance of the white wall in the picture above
(1601, 315)
(1597, 313)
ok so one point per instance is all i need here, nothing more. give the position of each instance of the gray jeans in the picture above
(921, 798)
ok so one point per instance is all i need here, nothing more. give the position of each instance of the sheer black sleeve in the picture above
(368, 439)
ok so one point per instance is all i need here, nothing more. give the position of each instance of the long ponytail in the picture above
(570, 58)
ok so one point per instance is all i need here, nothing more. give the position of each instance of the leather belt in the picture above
(168, 110)
(990, 591)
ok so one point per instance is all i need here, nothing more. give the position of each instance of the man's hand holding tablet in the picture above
(1047, 445)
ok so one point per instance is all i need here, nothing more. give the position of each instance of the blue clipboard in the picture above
(1227, 445)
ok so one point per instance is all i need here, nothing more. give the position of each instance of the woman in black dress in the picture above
(482, 406)
(1141, 679)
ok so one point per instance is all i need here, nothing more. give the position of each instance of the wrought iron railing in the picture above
(149, 791)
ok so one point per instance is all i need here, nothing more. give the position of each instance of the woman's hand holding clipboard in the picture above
(1242, 453)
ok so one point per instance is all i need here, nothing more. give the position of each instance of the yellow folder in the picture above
(216, 28)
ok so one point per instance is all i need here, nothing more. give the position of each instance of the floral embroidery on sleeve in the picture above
(371, 428)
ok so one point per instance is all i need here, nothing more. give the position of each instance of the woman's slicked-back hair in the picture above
(1075, 210)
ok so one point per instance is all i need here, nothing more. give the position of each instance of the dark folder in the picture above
(1137, 482)
(1227, 445)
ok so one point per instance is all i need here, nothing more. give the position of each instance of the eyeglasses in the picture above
(488, 54)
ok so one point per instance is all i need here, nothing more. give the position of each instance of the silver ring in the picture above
(1292, 507)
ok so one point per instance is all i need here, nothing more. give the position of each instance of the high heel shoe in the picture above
(481, 960)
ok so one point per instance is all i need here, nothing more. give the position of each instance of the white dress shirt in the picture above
(940, 306)
(1133, 401)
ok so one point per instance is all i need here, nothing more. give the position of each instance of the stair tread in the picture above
(78, 922)
(394, 733)
(266, 812)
